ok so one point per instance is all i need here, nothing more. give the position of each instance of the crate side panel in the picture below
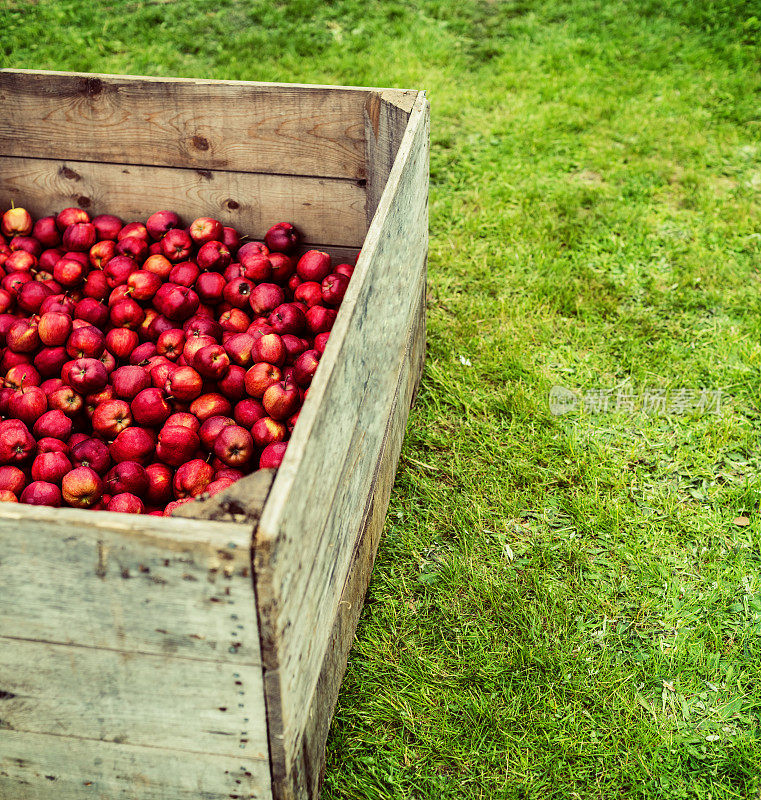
(75, 577)
(385, 124)
(308, 531)
(294, 130)
(325, 209)
(131, 698)
(48, 767)
(308, 769)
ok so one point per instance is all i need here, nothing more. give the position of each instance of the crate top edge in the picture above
(403, 97)
(174, 531)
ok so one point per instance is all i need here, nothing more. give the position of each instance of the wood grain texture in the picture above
(325, 209)
(385, 124)
(308, 531)
(308, 769)
(198, 706)
(127, 583)
(228, 125)
(49, 767)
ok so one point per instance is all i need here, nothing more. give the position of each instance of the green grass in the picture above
(562, 607)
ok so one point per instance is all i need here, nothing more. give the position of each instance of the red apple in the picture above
(133, 444)
(107, 226)
(79, 237)
(67, 400)
(234, 446)
(231, 239)
(281, 400)
(176, 445)
(211, 428)
(53, 424)
(28, 404)
(111, 417)
(272, 455)
(209, 405)
(270, 348)
(289, 318)
(184, 384)
(127, 476)
(321, 341)
(233, 385)
(205, 229)
(257, 268)
(16, 222)
(82, 487)
(314, 265)
(143, 284)
(283, 268)
(159, 489)
(212, 362)
(20, 261)
(252, 249)
(50, 445)
(267, 430)
(22, 336)
(238, 292)
(310, 293)
(90, 453)
(213, 256)
(50, 360)
(192, 478)
(282, 238)
(85, 342)
(176, 302)
(46, 232)
(320, 319)
(248, 411)
(185, 273)
(54, 328)
(12, 479)
(133, 229)
(234, 320)
(266, 297)
(210, 287)
(86, 375)
(159, 265)
(126, 314)
(184, 419)
(16, 443)
(334, 288)
(260, 377)
(91, 311)
(161, 222)
(121, 342)
(129, 381)
(41, 493)
(176, 245)
(125, 503)
(202, 326)
(50, 467)
(150, 408)
(22, 375)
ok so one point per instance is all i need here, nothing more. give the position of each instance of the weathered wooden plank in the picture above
(308, 769)
(325, 209)
(130, 698)
(128, 583)
(230, 125)
(50, 767)
(385, 124)
(307, 535)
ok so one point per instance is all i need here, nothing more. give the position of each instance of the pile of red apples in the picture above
(147, 364)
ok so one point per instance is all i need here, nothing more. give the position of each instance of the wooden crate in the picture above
(146, 658)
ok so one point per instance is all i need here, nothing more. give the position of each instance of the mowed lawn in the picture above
(563, 606)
